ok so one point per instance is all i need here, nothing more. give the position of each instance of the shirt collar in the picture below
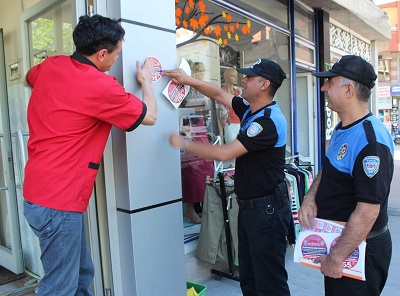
(82, 59)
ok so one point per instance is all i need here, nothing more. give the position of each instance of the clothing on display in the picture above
(194, 169)
(194, 172)
(212, 240)
(298, 180)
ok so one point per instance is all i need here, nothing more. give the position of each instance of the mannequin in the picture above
(230, 122)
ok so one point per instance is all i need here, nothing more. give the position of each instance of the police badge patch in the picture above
(342, 151)
(371, 165)
(254, 129)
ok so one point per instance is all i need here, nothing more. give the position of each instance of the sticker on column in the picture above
(157, 69)
(177, 93)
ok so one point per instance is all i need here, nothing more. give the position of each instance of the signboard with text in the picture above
(383, 91)
(395, 90)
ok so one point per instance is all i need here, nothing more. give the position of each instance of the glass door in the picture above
(10, 242)
(305, 117)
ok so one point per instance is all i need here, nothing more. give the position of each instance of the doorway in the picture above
(305, 118)
(48, 28)
(10, 242)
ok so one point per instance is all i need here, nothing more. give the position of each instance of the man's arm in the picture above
(208, 151)
(356, 230)
(308, 209)
(208, 89)
(144, 77)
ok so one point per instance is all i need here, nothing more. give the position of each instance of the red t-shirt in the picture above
(70, 113)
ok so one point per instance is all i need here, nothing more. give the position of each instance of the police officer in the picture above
(354, 184)
(259, 150)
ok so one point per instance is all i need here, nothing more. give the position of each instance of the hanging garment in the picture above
(212, 239)
(295, 203)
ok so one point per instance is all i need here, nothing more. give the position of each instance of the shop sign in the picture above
(383, 92)
(329, 122)
(396, 90)
(384, 103)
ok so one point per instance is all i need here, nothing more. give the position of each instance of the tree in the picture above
(193, 15)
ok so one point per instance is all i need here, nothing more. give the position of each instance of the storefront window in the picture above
(305, 53)
(215, 40)
(51, 33)
(275, 11)
(304, 24)
(383, 70)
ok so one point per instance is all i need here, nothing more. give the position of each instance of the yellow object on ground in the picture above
(191, 292)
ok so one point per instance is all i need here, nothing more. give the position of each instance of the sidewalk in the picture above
(306, 281)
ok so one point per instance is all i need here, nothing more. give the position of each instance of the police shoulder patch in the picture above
(371, 165)
(254, 129)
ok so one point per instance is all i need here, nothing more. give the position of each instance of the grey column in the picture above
(146, 170)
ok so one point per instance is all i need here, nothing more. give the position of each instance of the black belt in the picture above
(378, 232)
(256, 202)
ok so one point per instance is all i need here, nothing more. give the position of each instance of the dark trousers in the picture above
(262, 247)
(377, 261)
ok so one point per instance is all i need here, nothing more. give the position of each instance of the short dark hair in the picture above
(273, 86)
(93, 33)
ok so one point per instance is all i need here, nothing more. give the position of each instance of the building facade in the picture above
(388, 72)
(134, 220)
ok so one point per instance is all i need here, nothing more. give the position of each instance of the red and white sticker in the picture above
(350, 261)
(157, 69)
(313, 246)
(176, 92)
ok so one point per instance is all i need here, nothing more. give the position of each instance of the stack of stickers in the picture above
(319, 240)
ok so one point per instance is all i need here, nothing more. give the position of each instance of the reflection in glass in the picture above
(275, 11)
(51, 33)
(5, 237)
(203, 38)
(305, 53)
(304, 23)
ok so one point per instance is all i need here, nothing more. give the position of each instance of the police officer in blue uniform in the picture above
(259, 150)
(354, 183)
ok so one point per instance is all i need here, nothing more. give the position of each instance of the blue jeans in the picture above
(262, 235)
(66, 260)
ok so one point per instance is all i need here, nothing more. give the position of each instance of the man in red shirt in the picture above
(70, 113)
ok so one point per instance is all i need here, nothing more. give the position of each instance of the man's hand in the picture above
(307, 212)
(177, 141)
(178, 76)
(145, 73)
(330, 267)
